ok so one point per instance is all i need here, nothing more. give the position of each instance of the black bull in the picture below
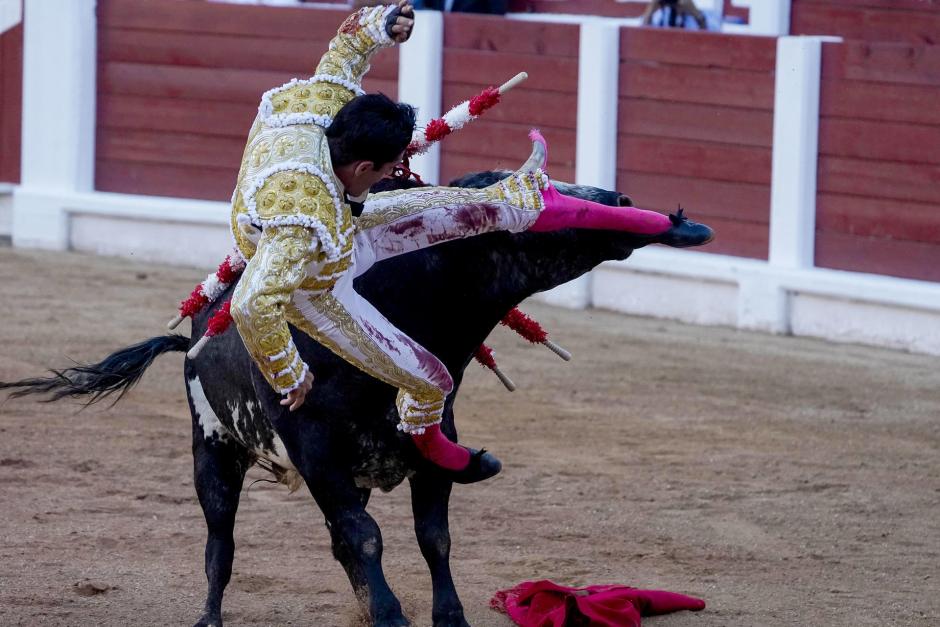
(344, 441)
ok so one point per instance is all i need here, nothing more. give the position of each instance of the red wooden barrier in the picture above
(696, 126)
(911, 21)
(879, 167)
(484, 50)
(11, 103)
(608, 8)
(179, 84)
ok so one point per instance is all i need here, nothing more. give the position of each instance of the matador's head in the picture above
(367, 140)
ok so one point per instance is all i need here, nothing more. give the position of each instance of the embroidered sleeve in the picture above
(264, 291)
(360, 36)
(521, 192)
(338, 77)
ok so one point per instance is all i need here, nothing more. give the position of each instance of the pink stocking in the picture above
(437, 448)
(564, 212)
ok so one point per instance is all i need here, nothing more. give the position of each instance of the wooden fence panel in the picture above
(11, 103)
(879, 167)
(695, 127)
(911, 21)
(608, 8)
(483, 50)
(179, 84)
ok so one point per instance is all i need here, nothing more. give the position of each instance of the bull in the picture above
(343, 442)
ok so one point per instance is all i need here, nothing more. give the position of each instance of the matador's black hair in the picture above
(373, 128)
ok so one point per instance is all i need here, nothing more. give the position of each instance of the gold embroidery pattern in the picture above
(321, 98)
(271, 146)
(245, 246)
(263, 292)
(256, 127)
(386, 207)
(520, 191)
(327, 276)
(359, 37)
(292, 193)
(416, 414)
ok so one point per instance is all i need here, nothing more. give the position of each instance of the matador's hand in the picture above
(295, 398)
(401, 21)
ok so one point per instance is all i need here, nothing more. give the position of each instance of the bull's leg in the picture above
(321, 457)
(430, 494)
(345, 557)
(357, 541)
(219, 468)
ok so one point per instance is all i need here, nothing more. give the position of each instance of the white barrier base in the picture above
(6, 210)
(700, 288)
(174, 231)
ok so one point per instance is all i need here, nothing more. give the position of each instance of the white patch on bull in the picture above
(279, 453)
(210, 423)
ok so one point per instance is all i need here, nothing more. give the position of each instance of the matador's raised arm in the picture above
(338, 77)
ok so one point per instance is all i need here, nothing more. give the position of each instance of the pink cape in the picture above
(546, 604)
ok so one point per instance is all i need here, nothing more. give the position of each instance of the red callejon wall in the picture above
(910, 21)
(608, 8)
(879, 159)
(179, 84)
(483, 50)
(696, 127)
(11, 103)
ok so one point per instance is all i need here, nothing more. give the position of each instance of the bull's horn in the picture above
(539, 156)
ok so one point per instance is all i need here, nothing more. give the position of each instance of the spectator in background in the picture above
(678, 14)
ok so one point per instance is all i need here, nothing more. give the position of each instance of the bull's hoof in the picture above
(482, 466)
(452, 618)
(397, 621)
(209, 620)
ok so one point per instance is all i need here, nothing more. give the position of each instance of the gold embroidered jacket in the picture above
(288, 212)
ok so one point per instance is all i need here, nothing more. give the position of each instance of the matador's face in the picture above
(365, 174)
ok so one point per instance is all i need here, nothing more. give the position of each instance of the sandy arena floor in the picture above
(787, 481)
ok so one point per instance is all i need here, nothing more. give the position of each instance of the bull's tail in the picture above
(116, 373)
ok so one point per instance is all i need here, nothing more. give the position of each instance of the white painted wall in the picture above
(148, 228)
(6, 209)
(11, 13)
(58, 148)
(766, 17)
(596, 140)
(795, 150)
(420, 57)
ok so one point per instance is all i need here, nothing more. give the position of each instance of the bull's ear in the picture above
(624, 201)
